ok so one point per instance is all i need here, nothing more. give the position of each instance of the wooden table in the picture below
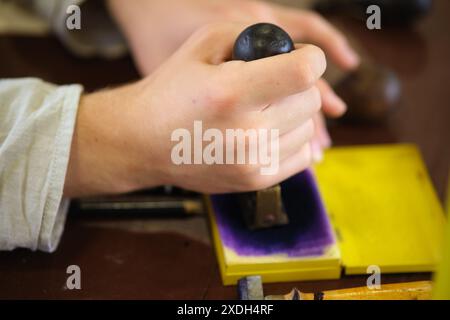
(127, 258)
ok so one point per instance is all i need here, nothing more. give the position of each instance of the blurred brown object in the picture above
(371, 93)
(393, 12)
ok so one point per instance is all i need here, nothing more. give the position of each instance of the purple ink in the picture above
(308, 232)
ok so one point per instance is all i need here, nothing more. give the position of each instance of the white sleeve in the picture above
(98, 35)
(37, 120)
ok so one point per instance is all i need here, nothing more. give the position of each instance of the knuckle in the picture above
(208, 30)
(267, 182)
(261, 11)
(245, 170)
(220, 96)
(313, 18)
(254, 182)
(305, 75)
(316, 64)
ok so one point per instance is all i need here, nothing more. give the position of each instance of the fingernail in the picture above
(316, 151)
(353, 58)
(326, 139)
(341, 106)
(341, 103)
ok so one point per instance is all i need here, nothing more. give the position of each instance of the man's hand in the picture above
(122, 140)
(155, 29)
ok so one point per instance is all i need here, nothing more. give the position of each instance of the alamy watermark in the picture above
(374, 280)
(73, 19)
(233, 146)
(374, 20)
(73, 281)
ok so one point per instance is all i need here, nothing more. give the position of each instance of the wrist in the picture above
(105, 157)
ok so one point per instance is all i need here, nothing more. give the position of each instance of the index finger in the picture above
(260, 82)
(312, 27)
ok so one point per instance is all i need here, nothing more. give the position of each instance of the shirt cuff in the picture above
(55, 207)
(37, 121)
